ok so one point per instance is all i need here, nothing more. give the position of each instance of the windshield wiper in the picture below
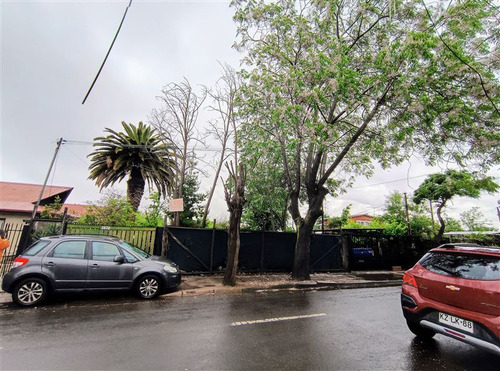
(449, 271)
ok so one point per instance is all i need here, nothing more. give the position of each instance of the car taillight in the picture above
(19, 262)
(408, 279)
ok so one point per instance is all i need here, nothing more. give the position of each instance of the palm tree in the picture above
(139, 153)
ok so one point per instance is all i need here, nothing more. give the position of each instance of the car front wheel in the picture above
(148, 287)
(30, 292)
(421, 332)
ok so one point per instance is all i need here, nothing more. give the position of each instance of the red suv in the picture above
(454, 290)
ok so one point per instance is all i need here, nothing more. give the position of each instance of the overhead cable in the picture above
(107, 54)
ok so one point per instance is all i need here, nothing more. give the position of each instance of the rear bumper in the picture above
(428, 317)
(7, 281)
(466, 338)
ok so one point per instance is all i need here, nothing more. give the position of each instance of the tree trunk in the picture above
(235, 199)
(233, 247)
(302, 253)
(135, 189)
(164, 238)
(304, 232)
(439, 236)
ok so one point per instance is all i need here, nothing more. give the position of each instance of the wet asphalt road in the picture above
(359, 329)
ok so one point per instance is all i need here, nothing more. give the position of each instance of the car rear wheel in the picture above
(148, 287)
(30, 292)
(421, 332)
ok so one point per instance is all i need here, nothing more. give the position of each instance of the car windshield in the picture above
(36, 248)
(469, 266)
(135, 250)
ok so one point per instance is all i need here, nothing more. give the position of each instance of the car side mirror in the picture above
(119, 259)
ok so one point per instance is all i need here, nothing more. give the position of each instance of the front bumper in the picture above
(171, 280)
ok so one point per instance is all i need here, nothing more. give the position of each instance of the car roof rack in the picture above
(459, 244)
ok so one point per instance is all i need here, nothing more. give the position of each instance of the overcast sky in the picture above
(52, 50)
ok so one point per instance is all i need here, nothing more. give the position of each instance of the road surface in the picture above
(360, 329)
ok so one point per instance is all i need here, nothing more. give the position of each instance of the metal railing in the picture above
(14, 232)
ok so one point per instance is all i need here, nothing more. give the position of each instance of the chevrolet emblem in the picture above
(453, 288)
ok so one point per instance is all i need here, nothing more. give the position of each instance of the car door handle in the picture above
(95, 266)
(49, 264)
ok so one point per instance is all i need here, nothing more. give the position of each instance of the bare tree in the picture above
(176, 123)
(223, 100)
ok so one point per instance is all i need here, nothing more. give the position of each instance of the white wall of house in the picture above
(13, 218)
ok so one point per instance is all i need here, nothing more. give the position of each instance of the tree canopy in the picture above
(442, 187)
(332, 85)
(137, 153)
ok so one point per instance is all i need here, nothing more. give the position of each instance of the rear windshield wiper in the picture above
(449, 271)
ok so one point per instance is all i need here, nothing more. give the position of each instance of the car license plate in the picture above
(456, 322)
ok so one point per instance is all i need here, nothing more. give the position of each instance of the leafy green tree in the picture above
(395, 217)
(332, 85)
(154, 214)
(112, 209)
(473, 219)
(53, 209)
(340, 221)
(452, 225)
(137, 153)
(193, 201)
(442, 187)
(266, 199)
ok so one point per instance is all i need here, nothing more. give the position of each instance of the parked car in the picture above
(74, 263)
(454, 290)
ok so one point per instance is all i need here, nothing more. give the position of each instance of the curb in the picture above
(306, 286)
(239, 290)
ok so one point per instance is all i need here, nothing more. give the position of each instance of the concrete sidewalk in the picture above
(193, 285)
(196, 285)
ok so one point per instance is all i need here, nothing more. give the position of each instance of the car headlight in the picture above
(170, 268)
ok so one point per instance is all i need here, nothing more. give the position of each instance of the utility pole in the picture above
(432, 213)
(35, 209)
(407, 216)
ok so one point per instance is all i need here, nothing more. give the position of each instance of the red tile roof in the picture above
(76, 210)
(21, 197)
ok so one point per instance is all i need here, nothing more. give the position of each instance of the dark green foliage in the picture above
(52, 210)
(112, 210)
(193, 201)
(138, 153)
(441, 187)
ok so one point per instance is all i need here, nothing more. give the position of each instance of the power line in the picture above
(107, 54)
(81, 142)
(390, 181)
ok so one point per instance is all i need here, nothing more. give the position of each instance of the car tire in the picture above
(30, 292)
(148, 286)
(421, 332)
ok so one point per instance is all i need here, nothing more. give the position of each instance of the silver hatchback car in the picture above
(74, 263)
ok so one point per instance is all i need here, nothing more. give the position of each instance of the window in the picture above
(104, 251)
(70, 250)
(135, 250)
(469, 266)
(36, 248)
(130, 258)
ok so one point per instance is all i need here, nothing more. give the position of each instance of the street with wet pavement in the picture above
(280, 324)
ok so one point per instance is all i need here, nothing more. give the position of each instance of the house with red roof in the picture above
(362, 219)
(17, 201)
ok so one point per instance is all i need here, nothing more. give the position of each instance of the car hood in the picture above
(160, 259)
